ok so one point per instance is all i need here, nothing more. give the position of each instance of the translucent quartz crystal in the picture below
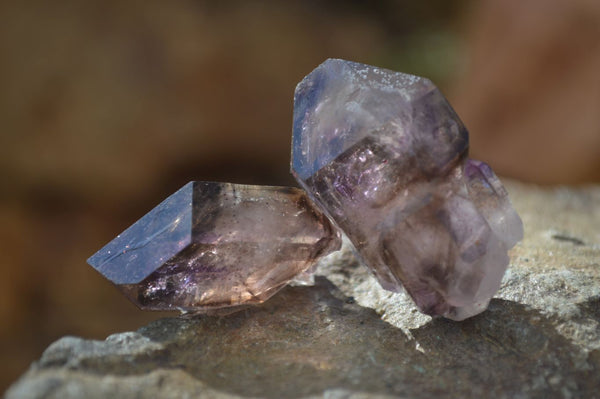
(385, 156)
(215, 245)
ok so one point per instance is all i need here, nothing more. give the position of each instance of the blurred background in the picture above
(107, 107)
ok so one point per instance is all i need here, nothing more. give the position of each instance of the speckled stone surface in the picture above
(346, 337)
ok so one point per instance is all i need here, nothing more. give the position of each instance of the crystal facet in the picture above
(385, 156)
(215, 245)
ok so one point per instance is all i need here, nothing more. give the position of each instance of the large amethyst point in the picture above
(216, 245)
(385, 156)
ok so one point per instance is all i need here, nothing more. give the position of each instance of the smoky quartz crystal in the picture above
(385, 156)
(217, 245)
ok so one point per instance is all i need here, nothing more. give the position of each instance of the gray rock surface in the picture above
(345, 337)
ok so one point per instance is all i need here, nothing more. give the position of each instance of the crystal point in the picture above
(214, 245)
(385, 156)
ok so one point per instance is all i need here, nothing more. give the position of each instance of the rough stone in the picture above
(346, 337)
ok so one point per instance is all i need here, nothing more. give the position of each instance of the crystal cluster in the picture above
(385, 156)
(216, 245)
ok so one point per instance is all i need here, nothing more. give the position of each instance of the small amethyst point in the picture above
(216, 245)
(491, 198)
(385, 156)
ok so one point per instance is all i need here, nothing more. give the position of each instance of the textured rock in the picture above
(346, 337)
(384, 154)
(216, 245)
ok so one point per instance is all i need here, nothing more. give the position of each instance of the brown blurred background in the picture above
(107, 107)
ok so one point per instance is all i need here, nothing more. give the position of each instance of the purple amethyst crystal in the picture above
(385, 156)
(216, 245)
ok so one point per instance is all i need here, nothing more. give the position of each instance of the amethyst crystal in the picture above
(215, 245)
(385, 156)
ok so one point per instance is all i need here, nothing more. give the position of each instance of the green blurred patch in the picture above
(432, 54)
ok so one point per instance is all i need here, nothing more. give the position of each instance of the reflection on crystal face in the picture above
(385, 156)
(214, 245)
